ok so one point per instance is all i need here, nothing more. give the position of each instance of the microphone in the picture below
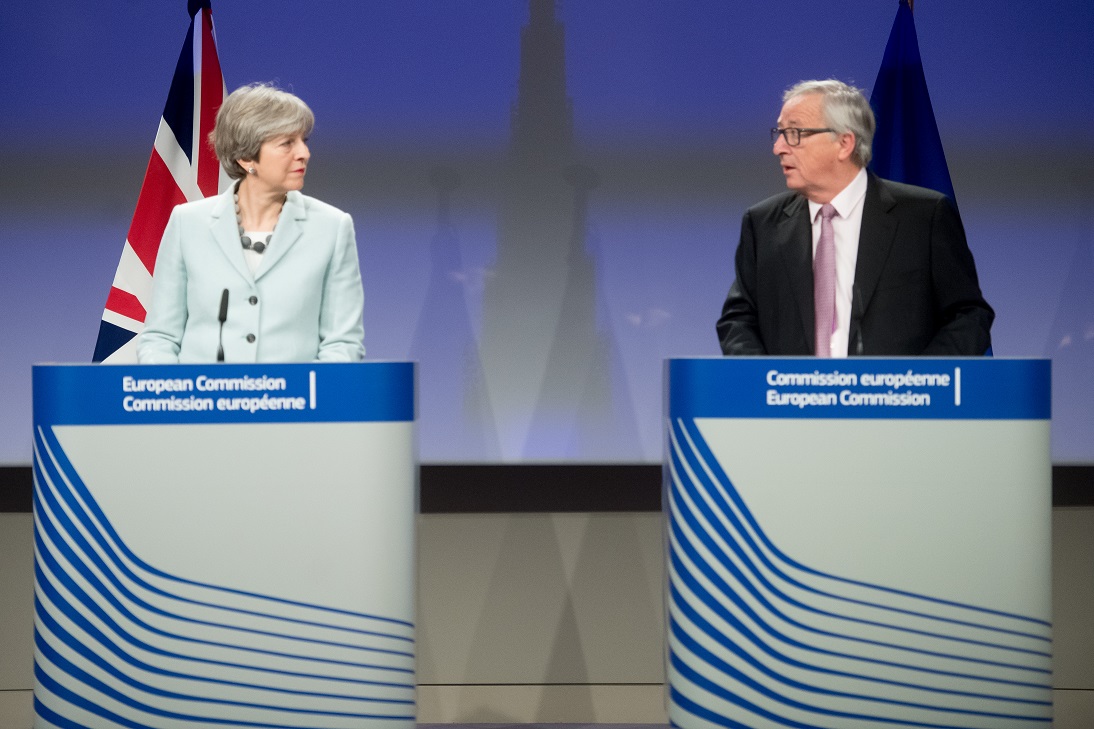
(856, 320)
(222, 317)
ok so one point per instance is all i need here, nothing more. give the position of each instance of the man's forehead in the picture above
(799, 107)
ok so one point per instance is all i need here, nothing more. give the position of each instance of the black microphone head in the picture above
(223, 316)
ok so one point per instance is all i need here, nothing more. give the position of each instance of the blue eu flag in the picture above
(907, 147)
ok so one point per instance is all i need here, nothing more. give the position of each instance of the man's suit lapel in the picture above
(225, 232)
(794, 240)
(876, 238)
(290, 227)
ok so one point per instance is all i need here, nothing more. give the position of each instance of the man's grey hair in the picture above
(845, 109)
(250, 116)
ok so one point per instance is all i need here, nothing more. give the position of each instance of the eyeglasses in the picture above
(793, 135)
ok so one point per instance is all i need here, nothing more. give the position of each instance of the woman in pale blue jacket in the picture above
(288, 262)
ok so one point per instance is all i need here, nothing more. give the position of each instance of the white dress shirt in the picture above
(846, 225)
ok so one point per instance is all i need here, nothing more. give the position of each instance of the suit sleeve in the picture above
(738, 328)
(161, 339)
(341, 315)
(964, 317)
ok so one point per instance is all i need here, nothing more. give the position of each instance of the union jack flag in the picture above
(183, 167)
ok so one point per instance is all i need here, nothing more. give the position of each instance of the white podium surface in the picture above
(225, 545)
(858, 543)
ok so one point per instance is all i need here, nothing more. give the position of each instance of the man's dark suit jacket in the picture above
(915, 290)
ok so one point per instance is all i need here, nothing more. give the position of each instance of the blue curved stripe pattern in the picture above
(758, 638)
(120, 643)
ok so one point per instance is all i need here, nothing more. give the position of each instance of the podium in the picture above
(858, 542)
(225, 545)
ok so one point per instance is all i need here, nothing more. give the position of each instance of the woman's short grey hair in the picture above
(845, 109)
(251, 115)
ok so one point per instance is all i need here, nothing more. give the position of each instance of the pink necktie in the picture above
(824, 284)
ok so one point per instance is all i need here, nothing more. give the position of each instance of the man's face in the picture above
(816, 167)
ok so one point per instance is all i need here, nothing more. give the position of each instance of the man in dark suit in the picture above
(846, 263)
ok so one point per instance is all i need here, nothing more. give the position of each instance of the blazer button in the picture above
(250, 339)
(253, 300)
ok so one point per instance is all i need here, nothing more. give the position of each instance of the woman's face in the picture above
(281, 164)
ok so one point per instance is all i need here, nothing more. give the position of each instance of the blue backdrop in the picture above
(541, 227)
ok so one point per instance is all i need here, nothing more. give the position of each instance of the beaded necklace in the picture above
(257, 246)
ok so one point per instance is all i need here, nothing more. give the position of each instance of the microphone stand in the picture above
(222, 317)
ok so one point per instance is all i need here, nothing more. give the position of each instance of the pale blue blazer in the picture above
(305, 301)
